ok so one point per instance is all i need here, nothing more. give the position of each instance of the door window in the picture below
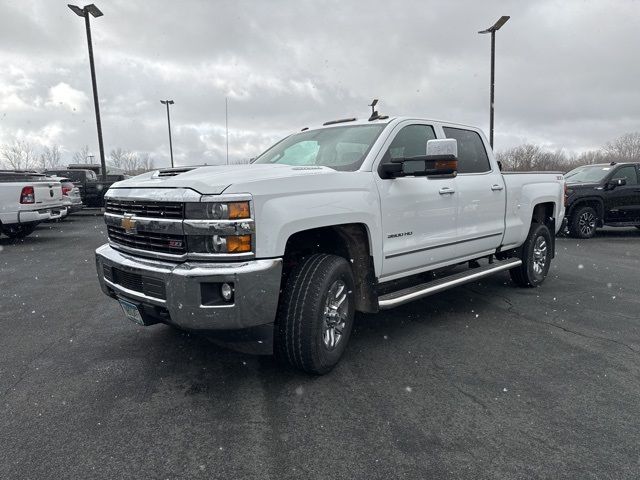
(628, 172)
(411, 141)
(472, 156)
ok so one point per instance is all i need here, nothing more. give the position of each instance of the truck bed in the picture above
(522, 189)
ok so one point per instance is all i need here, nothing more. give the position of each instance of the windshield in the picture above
(588, 174)
(341, 148)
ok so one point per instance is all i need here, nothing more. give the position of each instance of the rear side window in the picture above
(472, 156)
(629, 173)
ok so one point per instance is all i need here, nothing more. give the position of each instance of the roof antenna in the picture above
(374, 114)
(373, 104)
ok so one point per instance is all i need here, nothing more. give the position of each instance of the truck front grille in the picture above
(145, 209)
(150, 286)
(155, 242)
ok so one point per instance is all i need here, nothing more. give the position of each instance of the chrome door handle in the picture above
(446, 191)
(496, 187)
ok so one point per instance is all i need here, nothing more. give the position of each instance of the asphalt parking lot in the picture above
(483, 381)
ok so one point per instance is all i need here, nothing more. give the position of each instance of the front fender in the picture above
(279, 216)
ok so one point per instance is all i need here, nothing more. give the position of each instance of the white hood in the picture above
(216, 179)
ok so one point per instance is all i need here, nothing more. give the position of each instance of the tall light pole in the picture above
(85, 12)
(167, 103)
(492, 30)
(226, 123)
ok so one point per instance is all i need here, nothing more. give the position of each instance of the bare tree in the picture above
(589, 157)
(81, 155)
(131, 163)
(520, 158)
(50, 157)
(625, 148)
(20, 155)
(145, 162)
(118, 157)
(532, 157)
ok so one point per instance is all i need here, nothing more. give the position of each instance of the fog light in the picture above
(226, 291)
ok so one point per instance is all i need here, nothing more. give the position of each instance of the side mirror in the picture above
(617, 182)
(441, 159)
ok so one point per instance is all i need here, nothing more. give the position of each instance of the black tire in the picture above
(535, 254)
(583, 222)
(303, 335)
(17, 231)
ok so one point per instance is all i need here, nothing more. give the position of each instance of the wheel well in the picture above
(350, 241)
(543, 213)
(597, 205)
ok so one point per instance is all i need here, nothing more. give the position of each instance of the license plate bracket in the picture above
(131, 311)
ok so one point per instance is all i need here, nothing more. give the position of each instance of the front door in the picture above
(622, 203)
(418, 213)
(481, 195)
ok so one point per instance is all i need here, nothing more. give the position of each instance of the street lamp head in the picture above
(496, 26)
(77, 10)
(166, 102)
(95, 11)
(81, 12)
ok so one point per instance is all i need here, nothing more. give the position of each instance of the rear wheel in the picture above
(535, 256)
(18, 230)
(315, 315)
(583, 222)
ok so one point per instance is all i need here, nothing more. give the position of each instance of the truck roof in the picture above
(364, 121)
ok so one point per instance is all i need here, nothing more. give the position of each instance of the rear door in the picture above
(623, 202)
(418, 213)
(481, 195)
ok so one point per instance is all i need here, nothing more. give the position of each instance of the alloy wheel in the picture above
(539, 256)
(336, 312)
(587, 223)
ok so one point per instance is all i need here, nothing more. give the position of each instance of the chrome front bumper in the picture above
(189, 289)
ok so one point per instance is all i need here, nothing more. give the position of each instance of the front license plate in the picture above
(131, 311)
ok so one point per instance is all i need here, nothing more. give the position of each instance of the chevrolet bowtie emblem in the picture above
(129, 224)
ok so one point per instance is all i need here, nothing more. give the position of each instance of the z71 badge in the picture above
(396, 235)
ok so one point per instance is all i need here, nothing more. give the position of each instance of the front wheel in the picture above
(17, 231)
(315, 315)
(583, 222)
(535, 256)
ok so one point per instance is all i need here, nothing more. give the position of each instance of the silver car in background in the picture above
(70, 195)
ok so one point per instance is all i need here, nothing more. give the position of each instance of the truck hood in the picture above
(214, 180)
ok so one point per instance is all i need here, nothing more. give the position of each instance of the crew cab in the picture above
(27, 199)
(277, 256)
(602, 194)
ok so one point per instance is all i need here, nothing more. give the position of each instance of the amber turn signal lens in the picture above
(239, 244)
(238, 210)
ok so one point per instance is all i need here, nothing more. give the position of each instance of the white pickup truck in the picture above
(27, 199)
(277, 256)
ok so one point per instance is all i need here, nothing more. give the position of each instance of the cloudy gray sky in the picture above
(567, 71)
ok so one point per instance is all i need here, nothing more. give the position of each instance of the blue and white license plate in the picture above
(131, 311)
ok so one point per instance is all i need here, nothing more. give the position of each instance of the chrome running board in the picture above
(406, 295)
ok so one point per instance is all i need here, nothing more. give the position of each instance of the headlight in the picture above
(217, 211)
(219, 243)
